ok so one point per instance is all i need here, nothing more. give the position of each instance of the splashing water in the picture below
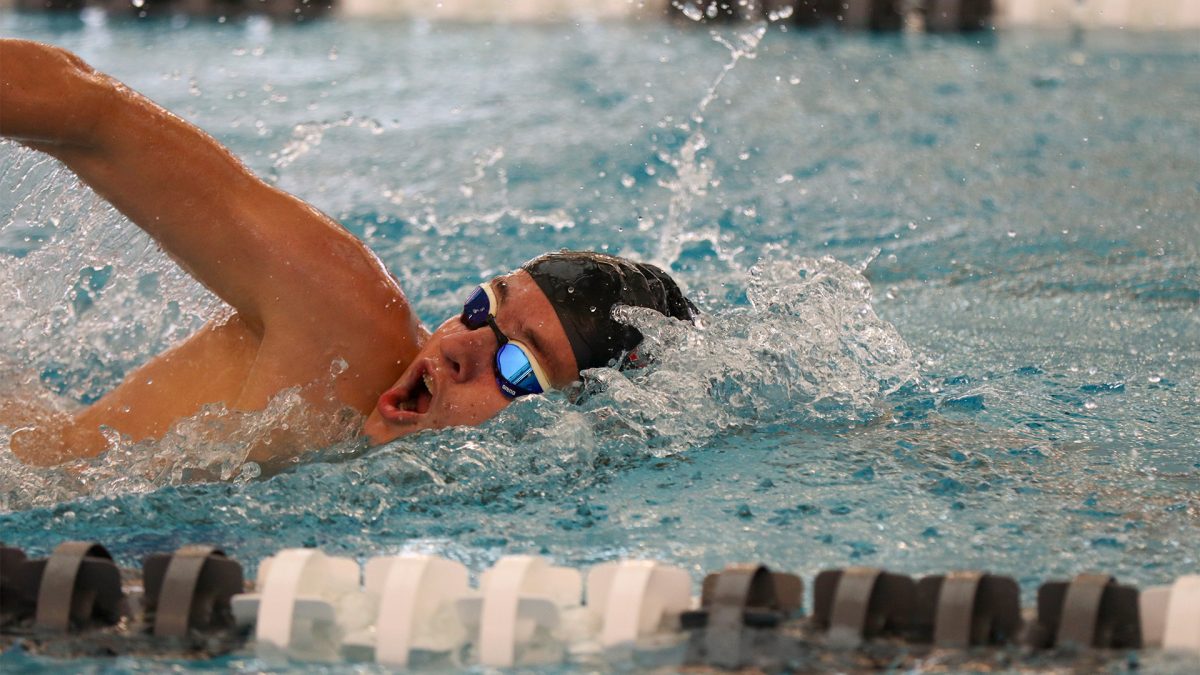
(808, 351)
(693, 173)
(73, 261)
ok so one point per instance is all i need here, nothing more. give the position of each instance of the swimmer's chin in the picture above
(379, 431)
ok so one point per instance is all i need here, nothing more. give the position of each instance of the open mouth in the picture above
(409, 399)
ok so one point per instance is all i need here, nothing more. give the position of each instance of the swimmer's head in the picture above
(583, 287)
(553, 317)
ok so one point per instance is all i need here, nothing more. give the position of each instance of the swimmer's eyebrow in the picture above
(528, 336)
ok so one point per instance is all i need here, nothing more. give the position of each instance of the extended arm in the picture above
(271, 256)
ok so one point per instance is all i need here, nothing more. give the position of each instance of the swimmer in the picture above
(305, 293)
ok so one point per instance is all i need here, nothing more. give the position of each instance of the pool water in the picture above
(951, 290)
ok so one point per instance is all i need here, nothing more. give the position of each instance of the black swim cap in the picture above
(584, 286)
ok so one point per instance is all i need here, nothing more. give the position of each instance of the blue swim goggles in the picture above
(517, 371)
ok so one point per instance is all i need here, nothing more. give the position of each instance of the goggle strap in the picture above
(491, 296)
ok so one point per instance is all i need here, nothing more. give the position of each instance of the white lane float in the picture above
(521, 601)
(637, 600)
(414, 596)
(1170, 615)
(306, 602)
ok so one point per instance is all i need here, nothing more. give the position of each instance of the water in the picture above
(950, 290)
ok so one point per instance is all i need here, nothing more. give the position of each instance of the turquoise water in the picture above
(951, 289)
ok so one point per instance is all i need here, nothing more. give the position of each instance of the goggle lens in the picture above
(516, 368)
(477, 308)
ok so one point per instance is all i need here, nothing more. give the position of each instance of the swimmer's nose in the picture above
(468, 353)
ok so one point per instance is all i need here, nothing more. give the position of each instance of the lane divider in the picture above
(396, 610)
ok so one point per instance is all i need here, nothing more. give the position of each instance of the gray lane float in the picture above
(1091, 610)
(77, 587)
(968, 609)
(734, 603)
(861, 603)
(190, 591)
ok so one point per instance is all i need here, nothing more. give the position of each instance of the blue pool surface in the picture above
(951, 290)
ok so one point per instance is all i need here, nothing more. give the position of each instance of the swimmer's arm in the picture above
(274, 258)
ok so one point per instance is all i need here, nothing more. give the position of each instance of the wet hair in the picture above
(583, 287)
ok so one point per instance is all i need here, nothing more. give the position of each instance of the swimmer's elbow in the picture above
(49, 446)
(34, 447)
(50, 95)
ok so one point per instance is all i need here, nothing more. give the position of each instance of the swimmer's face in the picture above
(452, 380)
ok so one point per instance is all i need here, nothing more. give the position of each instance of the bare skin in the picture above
(305, 293)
